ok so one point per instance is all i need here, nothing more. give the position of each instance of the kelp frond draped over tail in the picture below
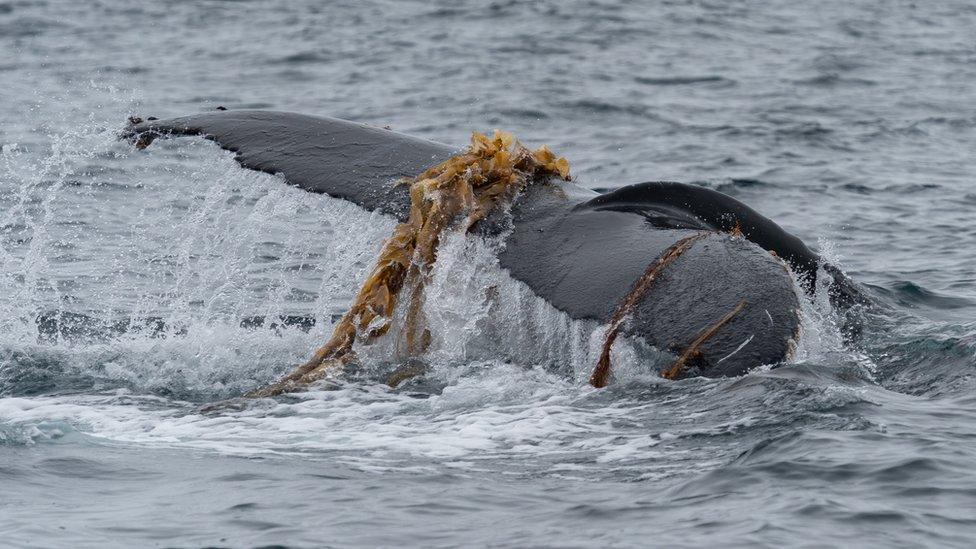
(456, 193)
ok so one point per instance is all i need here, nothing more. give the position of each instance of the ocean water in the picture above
(136, 286)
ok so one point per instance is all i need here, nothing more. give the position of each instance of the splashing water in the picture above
(209, 247)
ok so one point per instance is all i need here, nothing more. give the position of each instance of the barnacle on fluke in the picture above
(455, 194)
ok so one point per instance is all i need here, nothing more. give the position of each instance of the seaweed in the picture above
(453, 195)
(601, 373)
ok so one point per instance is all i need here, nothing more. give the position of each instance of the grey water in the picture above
(137, 285)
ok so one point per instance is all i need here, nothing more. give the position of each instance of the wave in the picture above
(682, 80)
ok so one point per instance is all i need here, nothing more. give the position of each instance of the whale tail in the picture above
(596, 246)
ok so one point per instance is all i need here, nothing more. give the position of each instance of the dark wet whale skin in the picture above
(579, 250)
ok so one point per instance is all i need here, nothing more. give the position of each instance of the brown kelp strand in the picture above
(454, 194)
(694, 349)
(601, 373)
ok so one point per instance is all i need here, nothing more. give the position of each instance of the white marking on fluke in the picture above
(737, 349)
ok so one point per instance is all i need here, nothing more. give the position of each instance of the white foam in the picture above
(506, 413)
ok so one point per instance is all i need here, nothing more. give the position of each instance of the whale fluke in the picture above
(581, 251)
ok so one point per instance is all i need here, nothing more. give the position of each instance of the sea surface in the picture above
(137, 286)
